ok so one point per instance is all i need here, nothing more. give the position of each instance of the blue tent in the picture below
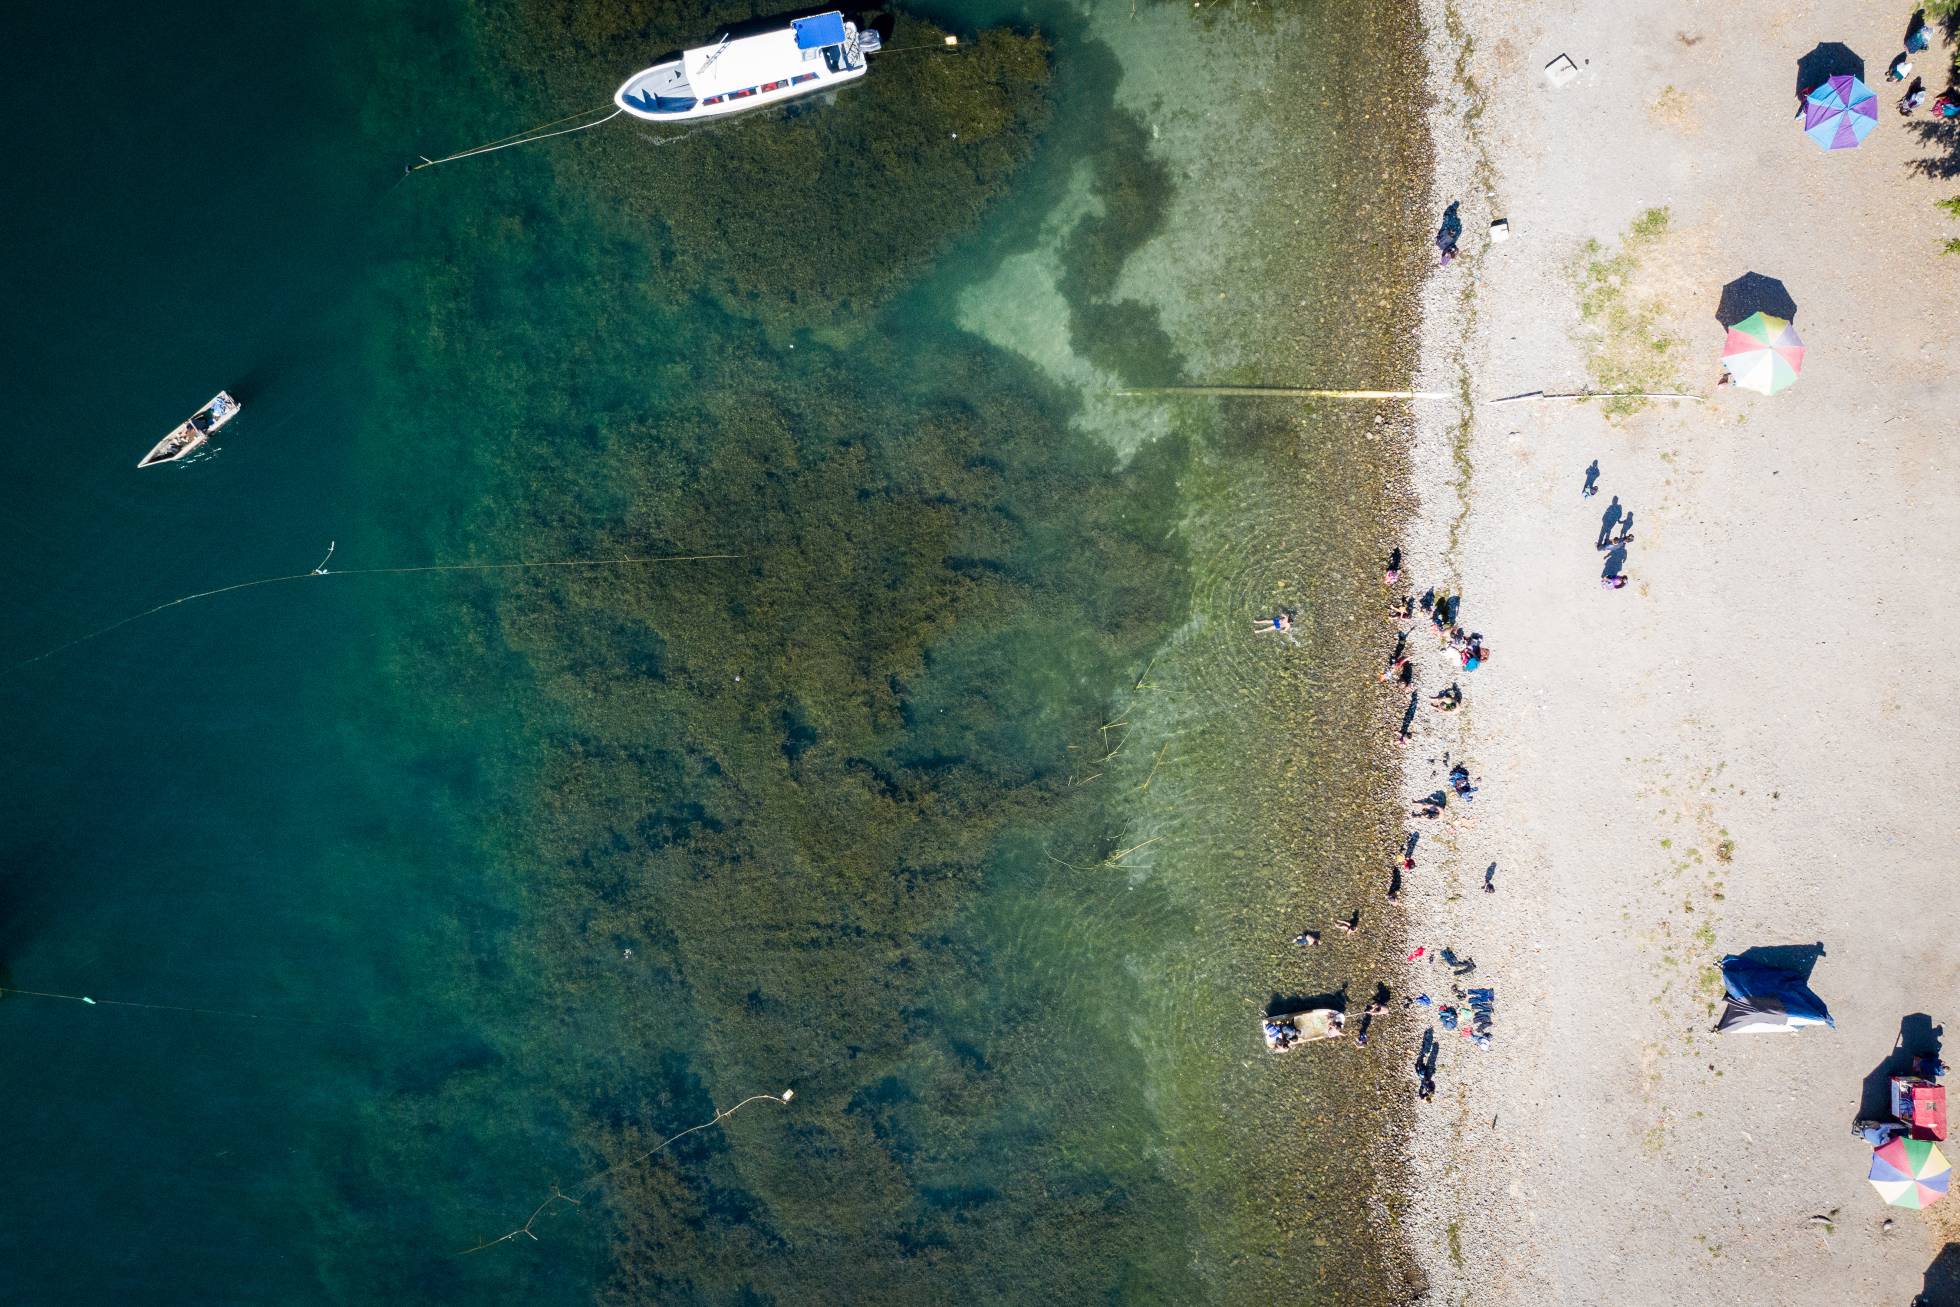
(1765, 999)
(816, 33)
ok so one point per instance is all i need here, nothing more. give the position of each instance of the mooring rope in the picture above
(321, 571)
(585, 1187)
(524, 137)
(172, 1007)
(1279, 392)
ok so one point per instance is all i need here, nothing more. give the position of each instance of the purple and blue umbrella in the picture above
(1841, 113)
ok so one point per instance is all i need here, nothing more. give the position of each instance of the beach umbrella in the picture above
(1841, 113)
(1763, 353)
(1910, 1173)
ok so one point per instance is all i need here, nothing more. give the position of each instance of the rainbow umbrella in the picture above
(1841, 113)
(1763, 353)
(1910, 1173)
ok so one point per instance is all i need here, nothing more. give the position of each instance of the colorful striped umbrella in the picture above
(1910, 1173)
(1841, 113)
(1763, 353)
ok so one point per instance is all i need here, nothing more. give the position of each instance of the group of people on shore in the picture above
(1919, 38)
(1467, 651)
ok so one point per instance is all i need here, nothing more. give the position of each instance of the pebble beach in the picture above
(1741, 747)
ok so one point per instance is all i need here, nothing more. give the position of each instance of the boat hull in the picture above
(190, 436)
(760, 99)
(738, 74)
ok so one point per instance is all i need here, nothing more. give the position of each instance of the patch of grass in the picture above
(1455, 1233)
(1627, 349)
(1725, 851)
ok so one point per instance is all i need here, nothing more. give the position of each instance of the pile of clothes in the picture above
(1472, 1019)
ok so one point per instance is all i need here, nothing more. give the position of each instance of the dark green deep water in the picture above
(845, 798)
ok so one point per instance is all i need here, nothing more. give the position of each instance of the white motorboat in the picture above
(194, 431)
(739, 73)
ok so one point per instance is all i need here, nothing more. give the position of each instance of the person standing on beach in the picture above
(1591, 487)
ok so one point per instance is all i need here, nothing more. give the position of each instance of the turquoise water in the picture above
(950, 801)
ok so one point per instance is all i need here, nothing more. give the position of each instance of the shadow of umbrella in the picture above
(1942, 1287)
(1827, 60)
(1754, 293)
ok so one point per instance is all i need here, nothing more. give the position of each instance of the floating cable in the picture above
(578, 1196)
(172, 1007)
(524, 137)
(321, 571)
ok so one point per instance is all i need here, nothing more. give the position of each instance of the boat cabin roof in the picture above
(748, 61)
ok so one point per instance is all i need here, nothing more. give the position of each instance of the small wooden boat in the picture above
(195, 431)
(1284, 1030)
(738, 73)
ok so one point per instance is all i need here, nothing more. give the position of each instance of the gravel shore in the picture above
(1743, 746)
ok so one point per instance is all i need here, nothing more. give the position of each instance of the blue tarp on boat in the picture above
(816, 33)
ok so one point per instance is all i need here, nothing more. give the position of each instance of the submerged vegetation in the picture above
(769, 796)
(806, 217)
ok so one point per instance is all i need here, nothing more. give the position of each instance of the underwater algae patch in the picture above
(793, 814)
(808, 216)
(788, 783)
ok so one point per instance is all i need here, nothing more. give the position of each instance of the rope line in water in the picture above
(524, 137)
(585, 1187)
(321, 571)
(171, 1007)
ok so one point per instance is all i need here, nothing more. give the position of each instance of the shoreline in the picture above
(1728, 752)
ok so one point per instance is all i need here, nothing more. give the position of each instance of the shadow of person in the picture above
(1592, 480)
(1942, 1286)
(1918, 1037)
(1827, 59)
(1608, 520)
(1616, 561)
(1752, 292)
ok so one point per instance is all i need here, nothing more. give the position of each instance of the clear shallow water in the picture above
(427, 817)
